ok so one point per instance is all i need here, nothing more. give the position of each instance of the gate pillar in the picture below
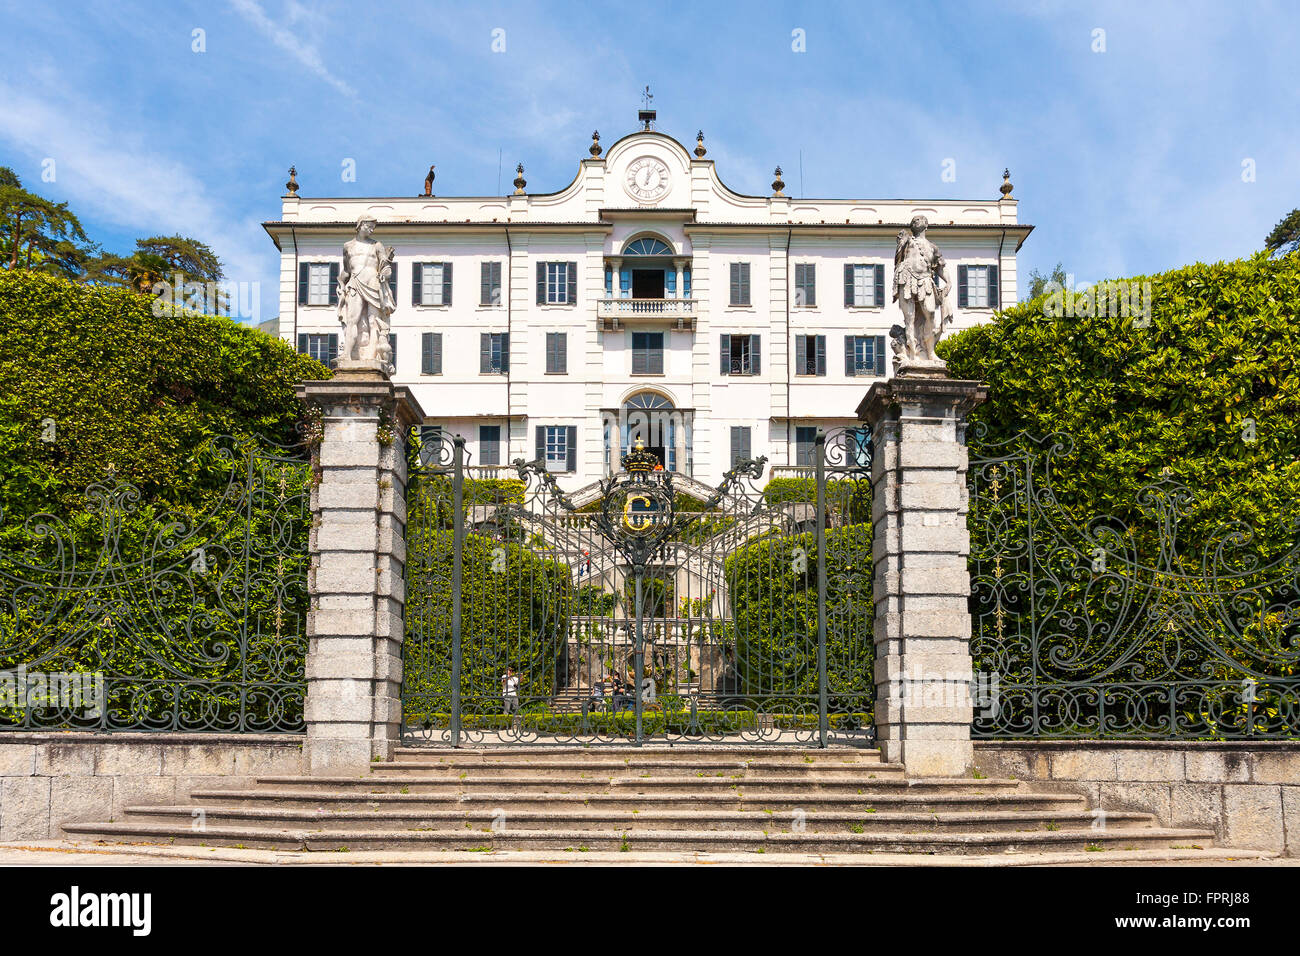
(920, 547)
(358, 553)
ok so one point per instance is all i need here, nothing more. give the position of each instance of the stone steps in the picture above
(511, 801)
(270, 837)
(657, 799)
(587, 819)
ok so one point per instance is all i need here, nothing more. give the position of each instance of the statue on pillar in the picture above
(365, 300)
(921, 288)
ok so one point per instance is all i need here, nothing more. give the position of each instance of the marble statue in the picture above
(365, 300)
(921, 288)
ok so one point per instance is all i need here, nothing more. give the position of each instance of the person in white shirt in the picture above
(510, 691)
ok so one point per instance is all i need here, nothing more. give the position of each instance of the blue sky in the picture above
(1127, 161)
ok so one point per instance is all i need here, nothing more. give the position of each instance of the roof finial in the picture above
(292, 185)
(520, 182)
(699, 145)
(778, 184)
(595, 144)
(646, 115)
(1006, 187)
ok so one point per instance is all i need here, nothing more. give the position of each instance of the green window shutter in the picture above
(484, 352)
(572, 448)
(485, 283)
(848, 356)
(744, 283)
(426, 353)
(755, 355)
(417, 281)
(392, 281)
(334, 283)
(848, 284)
(573, 287)
(880, 355)
(879, 271)
(800, 354)
(334, 349)
(505, 351)
(304, 276)
(810, 285)
(392, 348)
(446, 283)
(995, 299)
(962, 295)
(821, 355)
(725, 368)
(302, 343)
(735, 283)
(541, 283)
(540, 435)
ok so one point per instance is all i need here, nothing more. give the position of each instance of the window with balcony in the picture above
(864, 355)
(810, 355)
(740, 355)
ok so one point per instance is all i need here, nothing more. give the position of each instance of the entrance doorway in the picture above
(647, 283)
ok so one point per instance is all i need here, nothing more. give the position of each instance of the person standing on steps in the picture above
(510, 693)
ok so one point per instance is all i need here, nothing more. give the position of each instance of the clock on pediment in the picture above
(647, 179)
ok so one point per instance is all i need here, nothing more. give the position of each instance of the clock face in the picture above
(647, 179)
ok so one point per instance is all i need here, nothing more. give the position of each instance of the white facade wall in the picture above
(590, 222)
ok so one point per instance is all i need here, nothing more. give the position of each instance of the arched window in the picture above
(648, 400)
(647, 246)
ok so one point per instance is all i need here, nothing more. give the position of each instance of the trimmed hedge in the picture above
(125, 387)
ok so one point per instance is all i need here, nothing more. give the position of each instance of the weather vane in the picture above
(646, 115)
(647, 97)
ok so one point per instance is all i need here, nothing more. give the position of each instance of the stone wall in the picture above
(48, 779)
(1248, 792)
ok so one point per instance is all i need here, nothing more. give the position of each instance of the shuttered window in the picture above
(392, 348)
(740, 355)
(740, 446)
(805, 285)
(318, 283)
(557, 353)
(557, 447)
(864, 285)
(489, 286)
(431, 353)
(431, 283)
(864, 355)
(489, 444)
(977, 287)
(805, 445)
(323, 348)
(740, 283)
(810, 355)
(557, 283)
(647, 353)
(494, 352)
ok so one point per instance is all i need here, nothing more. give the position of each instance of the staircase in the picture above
(682, 799)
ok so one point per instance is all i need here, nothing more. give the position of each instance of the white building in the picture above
(537, 324)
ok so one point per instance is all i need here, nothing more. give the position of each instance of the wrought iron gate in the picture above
(634, 610)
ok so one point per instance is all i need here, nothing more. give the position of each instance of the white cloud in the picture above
(131, 185)
(291, 42)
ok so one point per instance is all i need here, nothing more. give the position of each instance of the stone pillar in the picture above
(355, 626)
(920, 547)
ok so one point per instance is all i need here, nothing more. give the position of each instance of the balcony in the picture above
(616, 312)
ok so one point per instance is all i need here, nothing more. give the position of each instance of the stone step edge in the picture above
(489, 796)
(652, 857)
(304, 837)
(954, 817)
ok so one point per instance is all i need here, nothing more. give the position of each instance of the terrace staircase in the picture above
(702, 798)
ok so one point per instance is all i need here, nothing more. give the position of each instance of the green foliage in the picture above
(515, 612)
(1039, 281)
(772, 589)
(90, 377)
(1208, 390)
(848, 500)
